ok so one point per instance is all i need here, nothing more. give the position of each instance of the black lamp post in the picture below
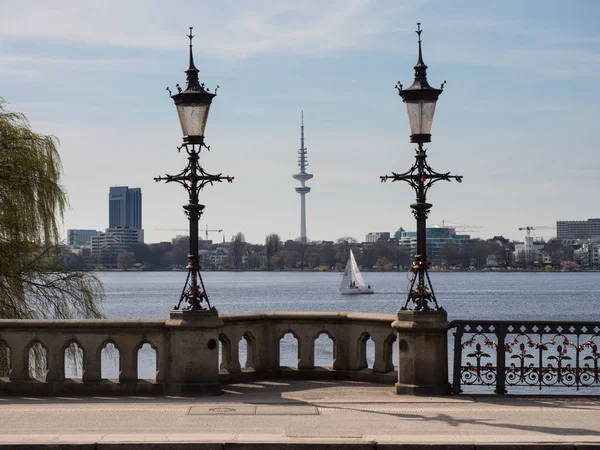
(193, 104)
(420, 99)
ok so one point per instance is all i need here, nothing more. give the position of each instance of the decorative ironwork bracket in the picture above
(421, 177)
(194, 178)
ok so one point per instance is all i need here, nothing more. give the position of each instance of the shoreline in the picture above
(362, 271)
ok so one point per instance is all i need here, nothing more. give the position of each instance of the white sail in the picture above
(347, 278)
(356, 276)
(352, 281)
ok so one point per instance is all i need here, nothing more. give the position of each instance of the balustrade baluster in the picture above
(162, 364)
(92, 358)
(267, 355)
(342, 351)
(234, 365)
(306, 352)
(19, 354)
(55, 361)
(129, 362)
(379, 364)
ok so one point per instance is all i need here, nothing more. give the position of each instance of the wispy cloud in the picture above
(227, 30)
(234, 30)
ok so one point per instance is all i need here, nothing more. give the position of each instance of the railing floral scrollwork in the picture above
(536, 354)
(479, 368)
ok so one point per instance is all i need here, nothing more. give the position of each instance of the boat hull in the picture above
(356, 291)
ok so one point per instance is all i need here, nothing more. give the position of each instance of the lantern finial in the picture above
(192, 83)
(420, 67)
(419, 31)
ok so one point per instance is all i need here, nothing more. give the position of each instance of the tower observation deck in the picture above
(302, 177)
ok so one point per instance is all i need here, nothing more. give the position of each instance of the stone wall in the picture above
(187, 352)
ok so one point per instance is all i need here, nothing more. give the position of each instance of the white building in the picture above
(588, 255)
(107, 246)
(531, 250)
(218, 257)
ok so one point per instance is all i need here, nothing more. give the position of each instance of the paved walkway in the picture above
(296, 412)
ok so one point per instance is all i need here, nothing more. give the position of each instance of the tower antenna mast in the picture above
(302, 177)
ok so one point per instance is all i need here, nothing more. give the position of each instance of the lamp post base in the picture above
(422, 390)
(194, 343)
(422, 352)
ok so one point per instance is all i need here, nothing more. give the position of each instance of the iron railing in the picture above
(525, 353)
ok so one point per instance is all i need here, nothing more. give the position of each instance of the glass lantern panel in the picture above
(193, 118)
(420, 116)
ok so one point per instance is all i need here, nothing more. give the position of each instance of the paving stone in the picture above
(286, 410)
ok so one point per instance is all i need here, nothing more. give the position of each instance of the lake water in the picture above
(482, 295)
(487, 295)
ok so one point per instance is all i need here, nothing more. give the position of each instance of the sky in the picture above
(518, 116)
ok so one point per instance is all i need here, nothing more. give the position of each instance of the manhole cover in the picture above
(222, 410)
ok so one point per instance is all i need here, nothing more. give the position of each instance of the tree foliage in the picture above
(272, 246)
(237, 249)
(34, 282)
(126, 260)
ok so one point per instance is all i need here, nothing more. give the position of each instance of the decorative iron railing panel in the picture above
(525, 353)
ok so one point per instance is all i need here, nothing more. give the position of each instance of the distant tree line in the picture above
(300, 254)
(272, 255)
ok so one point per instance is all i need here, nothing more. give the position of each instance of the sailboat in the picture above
(352, 281)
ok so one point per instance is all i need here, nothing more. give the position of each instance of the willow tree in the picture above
(33, 281)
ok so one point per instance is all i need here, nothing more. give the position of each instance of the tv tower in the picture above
(302, 177)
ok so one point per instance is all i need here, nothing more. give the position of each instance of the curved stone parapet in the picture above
(33, 352)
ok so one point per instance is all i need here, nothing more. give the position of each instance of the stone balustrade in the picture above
(348, 331)
(50, 339)
(187, 352)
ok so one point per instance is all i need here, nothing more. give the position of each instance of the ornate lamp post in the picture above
(193, 104)
(420, 99)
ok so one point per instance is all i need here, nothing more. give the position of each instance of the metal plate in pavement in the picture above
(222, 410)
(260, 410)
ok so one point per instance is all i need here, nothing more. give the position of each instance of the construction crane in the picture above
(206, 231)
(528, 229)
(461, 226)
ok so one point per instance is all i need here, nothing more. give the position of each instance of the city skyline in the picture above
(521, 79)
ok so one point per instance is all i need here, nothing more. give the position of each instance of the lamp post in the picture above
(193, 104)
(420, 100)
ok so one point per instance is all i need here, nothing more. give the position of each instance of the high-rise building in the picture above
(436, 238)
(125, 207)
(80, 237)
(577, 229)
(302, 177)
(375, 236)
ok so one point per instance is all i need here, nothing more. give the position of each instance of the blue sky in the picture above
(517, 118)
